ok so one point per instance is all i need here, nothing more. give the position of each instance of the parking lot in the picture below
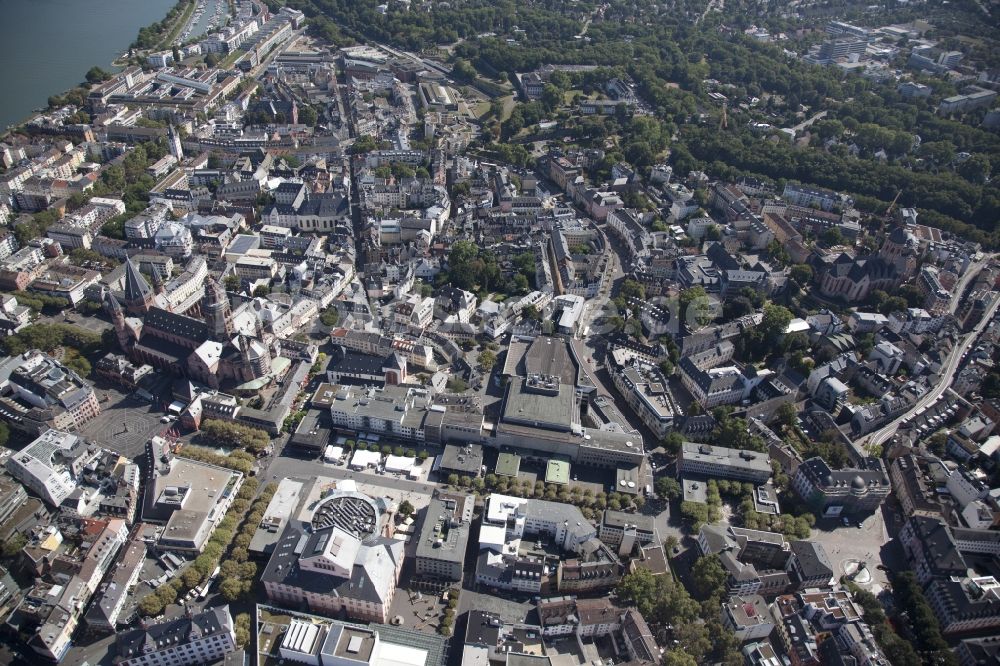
(90, 323)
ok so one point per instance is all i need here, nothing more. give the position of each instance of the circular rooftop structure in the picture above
(352, 512)
(858, 483)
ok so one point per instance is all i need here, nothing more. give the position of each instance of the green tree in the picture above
(633, 289)
(96, 75)
(330, 316)
(151, 605)
(708, 578)
(241, 627)
(308, 115)
(487, 359)
(231, 588)
(405, 509)
(668, 488)
(976, 169)
(775, 322)
(801, 274)
(786, 414)
(678, 657)
(14, 544)
(673, 442)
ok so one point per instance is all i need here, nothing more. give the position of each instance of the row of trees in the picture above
(922, 621)
(240, 461)
(199, 570)
(741, 495)
(48, 337)
(229, 435)
(898, 651)
(237, 573)
(41, 303)
(150, 36)
(590, 503)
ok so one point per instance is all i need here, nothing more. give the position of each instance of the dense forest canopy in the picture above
(872, 144)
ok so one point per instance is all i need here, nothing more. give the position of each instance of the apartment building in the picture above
(192, 639)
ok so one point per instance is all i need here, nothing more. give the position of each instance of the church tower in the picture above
(159, 288)
(114, 309)
(138, 293)
(256, 357)
(215, 310)
(174, 140)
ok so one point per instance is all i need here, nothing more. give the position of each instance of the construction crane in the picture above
(892, 206)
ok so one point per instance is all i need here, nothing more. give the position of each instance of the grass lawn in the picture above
(508, 107)
(181, 22)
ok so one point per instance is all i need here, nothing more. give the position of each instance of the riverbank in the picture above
(37, 67)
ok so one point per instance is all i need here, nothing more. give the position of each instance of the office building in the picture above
(443, 538)
(189, 498)
(724, 463)
(298, 638)
(43, 393)
(51, 466)
(844, 491)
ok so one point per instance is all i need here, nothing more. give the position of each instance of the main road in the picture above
(974, 270)
(946, 378)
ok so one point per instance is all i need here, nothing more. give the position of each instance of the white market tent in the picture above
(365, 459)
(399, 464)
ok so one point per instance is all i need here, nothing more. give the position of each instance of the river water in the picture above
(47, 46)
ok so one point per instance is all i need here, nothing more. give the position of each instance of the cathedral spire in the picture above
(138, 293)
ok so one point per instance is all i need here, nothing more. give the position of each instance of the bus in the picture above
(203, 593)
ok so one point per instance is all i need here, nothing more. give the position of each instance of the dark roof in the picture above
(158, 319)
(394, 362)
(550, 356)
(136, 287)
(812, 559)
(722, 259)
(354, 363)
(709, 383)
(938, 545)
(133, 643)
(467, 459)
(283, 567)
(822, 476)
(165, 347)
(483, 629)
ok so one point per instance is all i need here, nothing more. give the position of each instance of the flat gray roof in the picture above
(724, 457)
(436, 528)
(546, 411)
